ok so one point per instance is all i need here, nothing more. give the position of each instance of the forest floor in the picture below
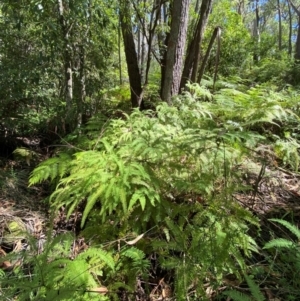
(275, 194)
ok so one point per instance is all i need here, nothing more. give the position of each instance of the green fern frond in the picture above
(256, 294)
(295, 230)
(279, 243)
(96, 256)
(51, 169)
(25, 154)
(254, 288)
(139, 263)
(287, 151)
(237, 296)
(134, 254)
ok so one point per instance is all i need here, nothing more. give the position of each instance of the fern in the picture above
(256, 294)
(137, 256)
(52, 169)
(176, 168)
(281, 242)
(254, 289)
(25, 154)
(257, 105)
(287, 151)
(295, 230)
(237, 296)
(51, 274)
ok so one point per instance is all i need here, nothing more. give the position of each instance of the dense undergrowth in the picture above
(157, 189)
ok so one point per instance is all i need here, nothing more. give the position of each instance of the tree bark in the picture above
(119, 53)
(256, 33)
(241, 8)
(175, 49)
(216, 34)
(131, 55)
(193, 52)
(279, 26)
(290, 48)
(297, 46)
(82, 95)
(163, 42)
(67, 58)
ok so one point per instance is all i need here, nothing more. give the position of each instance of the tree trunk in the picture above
(290, 49)
(216, 34)
(279, 26)
(193, 52)
(131, 55)
(141, 53)
(241, 8)
(175, 49)
(67, 57)
(297, 48)
(82, 94)
(143, 58)
(256, 33)
(163, 42)
(119, 53)
(197, 6)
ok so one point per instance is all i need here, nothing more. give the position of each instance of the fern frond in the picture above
(237, 296)
(51, 169)
(295, 230)
(279, 243)
(96, 256)
(137, 256)
(254, 288)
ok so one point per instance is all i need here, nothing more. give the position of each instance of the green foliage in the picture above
(25, 154)
(33, 55)
(284, 243)
(235, 40)
(57, 168)
(134, 161)
(155, 184)
(194, 246)
(286, 263)
(287, 151)
(254, 106)
(174, 171)
(270, 69)
(54, 274)
(256, 294)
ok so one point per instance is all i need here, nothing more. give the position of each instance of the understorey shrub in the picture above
(165, 179)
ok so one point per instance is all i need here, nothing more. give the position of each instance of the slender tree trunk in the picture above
(67, 57)
(139, 47)
(241, 7)
(297, 46)
(256, 33)
(143, 58)
(82, 95)
(131, 55)
(290, 49)
(149, 37)
(279, 26)
(143, 45)
(175, 50)
(216, 33)
(163, 42)
(193, 52)
(119, 53)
